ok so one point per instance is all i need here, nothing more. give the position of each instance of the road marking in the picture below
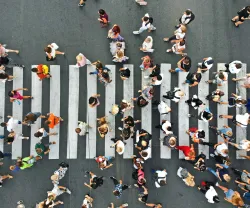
(17, 112)
(128, 93)
(55, 89)
(73, 107)
(241, 133)
(222, 109)
(2, 110)
(91, 114)
(109, 101)
(146, 112)
(36, 106)
(165, 152)
(183, 108)
(203, 91)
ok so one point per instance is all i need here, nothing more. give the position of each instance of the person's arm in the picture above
(87, 185)
(110, 165)
(112, 205)
(19, 89)
(47, 152)
(58, 202)
(96, 95)
(195, 83)
(150, 205)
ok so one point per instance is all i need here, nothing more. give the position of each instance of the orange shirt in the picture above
(54, 120)
(40, 73)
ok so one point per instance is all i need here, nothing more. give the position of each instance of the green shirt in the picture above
(42, 147)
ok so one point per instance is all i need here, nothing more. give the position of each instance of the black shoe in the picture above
(87, 172)
(177, 26)
(64, 165)
(112, 177)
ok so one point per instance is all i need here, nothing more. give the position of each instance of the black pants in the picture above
(237, 172)
(116, 182)
(173, 38)
(198, 117)
(205, 188)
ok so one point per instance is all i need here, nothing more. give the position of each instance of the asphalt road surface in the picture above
(30, 25)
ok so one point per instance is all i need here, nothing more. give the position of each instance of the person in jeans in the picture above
(119, 187)
(31, 118)
(221, 172)
(244, 176)
(147, 24)
(225, 132)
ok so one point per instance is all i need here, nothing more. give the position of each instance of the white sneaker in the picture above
(217, 184)
(146, 77)
(27, 138)
(68, 191)
(136, 32)
(120, 128)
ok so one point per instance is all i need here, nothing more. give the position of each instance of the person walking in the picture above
(51, 51)
(94, 181)
(235, 101)
(221, 172)
(244, 144)
(183, 65)
(234, 67)
(114, 33)
(94, 101)
(186, 177)
(215, 96)
(195, 102)
(189, 152)
(160, 177)
(12, 124)
(103, 18)
(206, 64)
(12, 136)
(187, 17)
(103, 162)
(205, 115)
(58, 190)
(246, 80)
(4, 177)
(23, 163)
(178, 48)
(119, 187)
(147, 24)
(193, 79)
(146, 63)
(231, 196)
(219, 79)
(82, 128)
(9, 63)
(119, 144)
(174, 95)
(243, 15)
(225, 132)
(59, 173)
(179, 35)
(207, 188)
(42, 149)
(4, 51)
(81, 61)
(31, 118)
(41, 133)
(42, 71)
(238, 120)
(16, 96)
(52, 120)
(87, 202)
(147, 45)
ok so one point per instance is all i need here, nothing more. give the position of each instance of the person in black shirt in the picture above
(195, 102)
(155, 71)
(242, 16)
(183, 65)
(94, 181)
(193, 79)
(9, 63)
(124, 73)
(141, 101)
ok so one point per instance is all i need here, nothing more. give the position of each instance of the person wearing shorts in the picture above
(242, 15)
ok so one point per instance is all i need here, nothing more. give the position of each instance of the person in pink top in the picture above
(15, 95)
(4, 51)
(81, 60)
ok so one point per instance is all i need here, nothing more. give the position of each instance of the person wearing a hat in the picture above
(82, 60)
(103, 162)
(207, 188)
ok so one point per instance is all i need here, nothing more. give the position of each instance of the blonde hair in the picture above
(119, 53)
(183, 28)
(79, 57)
(190, 180)
(227, 178)
(54, 177)
(119, 149)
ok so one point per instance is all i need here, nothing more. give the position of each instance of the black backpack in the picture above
(97, 181)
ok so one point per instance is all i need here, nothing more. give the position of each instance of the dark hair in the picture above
(188, 59)
(38, 134)
(34, 69)
(99, 65)
(216, 199)
(47, 122)
(105, 75)
(159, 77)
(151, 20)
(221, 93)
(11, 93)
(221, 75)
(157, 66)
(201, 134)
(116, 193)
(3, 124)
(29, 117)
(169, 128)
(123, 105)
(92, 100)
(101, 11)
(47, 49)
(163, 183)
(248, 8)
(241, 101)
(202, 168)
(145, 18)
(188, 11)
(182, 42)
(116, 29)
(144, 154)
(238, 66)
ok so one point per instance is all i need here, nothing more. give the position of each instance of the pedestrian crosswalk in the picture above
(92, 137)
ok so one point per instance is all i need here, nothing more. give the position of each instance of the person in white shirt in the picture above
(162, 107)
(246, 80)
(146, 25)
(147, 45)
(146, 154)
(221, 149)
(160, 179)
(12, 124)
(234, 67)
(207, 188)
(43, 133)
(87, 202)
(82, 128)
(178, 48)
(157, 80)
(244, 144)
(238, 120)
(165, 126)
(175, 95)
(120, 145)
(179, 34)
(186, 18)
(219, 79)
(206, 64)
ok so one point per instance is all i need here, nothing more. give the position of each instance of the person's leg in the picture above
(237, 172)
(235, 18)
(226, 116)
(60, 53)
(212, 171)
(172, 38)
(115, 181)
(210, 144)
(124, 187)
(202, 190)
(238, 23)
(27, 97)
(52, 134)
(12, 51)
(222, 188)
(7, 154)
(81, 3)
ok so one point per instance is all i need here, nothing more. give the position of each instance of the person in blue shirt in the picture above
(119, 187)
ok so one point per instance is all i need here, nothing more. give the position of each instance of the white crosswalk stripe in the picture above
(128, 92)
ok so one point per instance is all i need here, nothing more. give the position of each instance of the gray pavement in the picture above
(30, 25)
